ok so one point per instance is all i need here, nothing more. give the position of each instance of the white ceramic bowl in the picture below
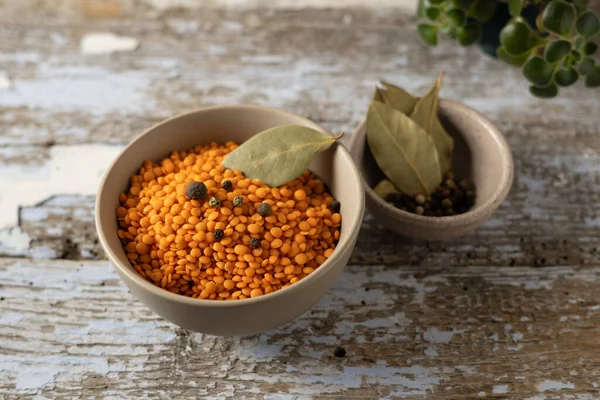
(220, 124)
(481, 154)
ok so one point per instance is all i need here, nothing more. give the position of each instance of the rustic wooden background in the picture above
(511, 311)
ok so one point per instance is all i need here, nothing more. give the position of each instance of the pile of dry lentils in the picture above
(195, 228)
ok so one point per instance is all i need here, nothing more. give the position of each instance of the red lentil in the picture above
(169, 239)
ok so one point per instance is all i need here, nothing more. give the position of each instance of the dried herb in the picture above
(450, 198)
(396, 97)
(414, 151)
(403, 150)
(385, 189)
(196, 190)
(425, 114)
(279, 155)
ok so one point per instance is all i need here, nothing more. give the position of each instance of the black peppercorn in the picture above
(339, 352)
(227, 185)
(420, 199)
(219, 234)
(264, 209)
(238, 201)
(335, 205)
(196, 191)
(255, 243)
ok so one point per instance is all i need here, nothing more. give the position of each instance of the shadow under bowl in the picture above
(481, 154)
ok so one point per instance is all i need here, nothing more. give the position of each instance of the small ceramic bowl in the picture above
(221, 124)
(481, 155)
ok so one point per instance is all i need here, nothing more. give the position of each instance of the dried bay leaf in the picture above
(378, 95)
(426, 116)
(384, 189)
(278, 155)
(403, 150)
(398, 98)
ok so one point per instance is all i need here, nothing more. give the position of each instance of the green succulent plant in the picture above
(556, 52)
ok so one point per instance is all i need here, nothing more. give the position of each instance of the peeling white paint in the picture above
(73, 169)
(408, 281)
(431, 352)
(500, 389)
(13, 241)
(28, 380)
(434, 335)
(5, 82)
(58, 88)
(106, 43)
(549, 385)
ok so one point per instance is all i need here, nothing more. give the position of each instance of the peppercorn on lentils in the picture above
(231, 241)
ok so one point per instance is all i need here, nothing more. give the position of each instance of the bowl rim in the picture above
(144, 284)
(475, 213)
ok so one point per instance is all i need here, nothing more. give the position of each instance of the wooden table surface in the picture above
(511, 311)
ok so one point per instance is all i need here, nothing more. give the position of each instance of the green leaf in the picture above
(429, 34)
(469, 34)
(566, 76)
(580, 5)
(398, 98)
(537, 71)
(556, 50)
(421, 8)
(425, 115)
(515, 7)
(517, 61)
(457, 16)
(575, 55)
(385, 189)
(586, 66)
(590, 48)
(463, 4)
(517, 37)
(587, 24)
(449, 30)
(404, 152)
(433, 13)
(559, 17)
(544, 92)
(579, 42)
(593, 78)
(278, 155)
(436, 2)
(482, 10)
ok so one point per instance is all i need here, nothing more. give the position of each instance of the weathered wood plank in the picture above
(327, 61)
(62, 100)
(509, 312)
(442, 333)
(550, 218)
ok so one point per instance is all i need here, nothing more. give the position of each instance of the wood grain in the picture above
(510, 311)
(447, 333)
